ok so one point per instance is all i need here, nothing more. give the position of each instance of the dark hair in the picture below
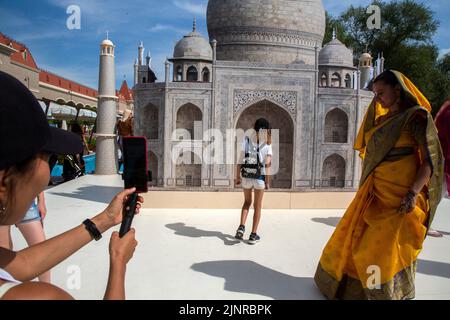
(76, 128)
(390, 79)
(261, 123)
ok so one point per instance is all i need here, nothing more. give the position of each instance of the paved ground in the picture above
(191, 254)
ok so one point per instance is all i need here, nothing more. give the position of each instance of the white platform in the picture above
(191, 254)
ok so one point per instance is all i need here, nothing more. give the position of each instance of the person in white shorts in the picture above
(259, 147)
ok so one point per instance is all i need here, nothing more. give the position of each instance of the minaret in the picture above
(136, 72)
(365, 66)
(167, 64)
(106, 159)
(148, 59)
(141, 53)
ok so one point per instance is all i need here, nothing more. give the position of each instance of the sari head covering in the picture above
(418, 103)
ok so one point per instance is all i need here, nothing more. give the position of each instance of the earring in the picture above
(2, 209)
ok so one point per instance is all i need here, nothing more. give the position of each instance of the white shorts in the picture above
(256, 184)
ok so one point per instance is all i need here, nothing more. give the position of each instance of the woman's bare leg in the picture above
(5, 237)
(33, 232)
(257, 204)
(246, 205)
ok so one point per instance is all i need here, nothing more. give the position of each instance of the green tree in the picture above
(333, 23)
(405, 39)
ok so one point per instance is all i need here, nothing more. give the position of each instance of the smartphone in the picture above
(135, 163)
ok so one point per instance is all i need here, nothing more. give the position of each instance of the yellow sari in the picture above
(373, 251)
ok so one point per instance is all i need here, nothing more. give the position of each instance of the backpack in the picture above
(251, 167)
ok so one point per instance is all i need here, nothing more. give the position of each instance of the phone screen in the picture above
(135, 163)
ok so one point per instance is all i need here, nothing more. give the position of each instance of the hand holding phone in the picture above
(135, 175)
(128, 214)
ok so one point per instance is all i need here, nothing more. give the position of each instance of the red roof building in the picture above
(58, 81)
(22, 54)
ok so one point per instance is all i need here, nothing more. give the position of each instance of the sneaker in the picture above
(254, 238)
(240, 233)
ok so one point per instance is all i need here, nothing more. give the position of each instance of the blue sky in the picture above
(41, 25)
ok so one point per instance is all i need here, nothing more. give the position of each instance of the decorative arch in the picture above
(348, 81)
(192, 74)
(150, 121)
(153, 167)
(336, 80)
(333, 172)
(187, 115)
(61, 101)
(336, 126)
(179, 73)
(71, 103)
(189, 170)
(206, 74)
(324, 80)
(285, 99)
(283, 140)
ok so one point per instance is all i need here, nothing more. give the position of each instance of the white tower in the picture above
(136, 71)
(141, 54)
(148, 60)
(106, 159)
(365, 66)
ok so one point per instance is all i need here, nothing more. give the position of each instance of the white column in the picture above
(106, 158)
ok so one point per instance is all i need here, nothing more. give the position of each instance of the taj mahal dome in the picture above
(263, 58)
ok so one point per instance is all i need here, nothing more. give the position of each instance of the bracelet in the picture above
(411, 194)
(92, 229)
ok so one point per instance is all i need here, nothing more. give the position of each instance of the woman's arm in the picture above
(41, 205)
(267, 176)
(28, 263)
(120, 252)
(423, 175)
(422, 178)
(86, 144)
(237, 180)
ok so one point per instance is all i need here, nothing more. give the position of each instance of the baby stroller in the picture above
(72, 169)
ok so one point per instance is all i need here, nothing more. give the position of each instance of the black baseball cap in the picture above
(24, 130)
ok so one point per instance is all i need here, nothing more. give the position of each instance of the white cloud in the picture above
(443, 52)
(196, 8)
(167, 27)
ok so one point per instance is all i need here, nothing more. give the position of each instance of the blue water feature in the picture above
(89, 162)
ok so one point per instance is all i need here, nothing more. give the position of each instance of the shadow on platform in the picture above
(250, 277)
(330, 221)
(434, 268)
(182, 230)
(102, 194)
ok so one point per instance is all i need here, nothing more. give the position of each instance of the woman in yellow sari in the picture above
(373, 251)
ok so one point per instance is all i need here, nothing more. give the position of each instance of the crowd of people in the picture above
(406, 172)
